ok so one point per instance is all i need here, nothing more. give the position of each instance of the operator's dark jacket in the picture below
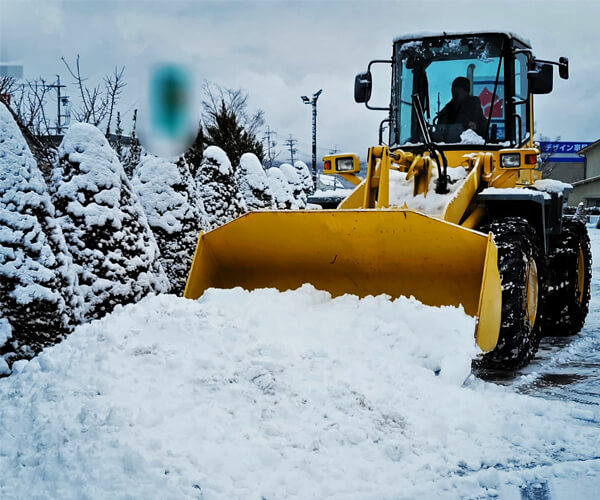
(462, 112)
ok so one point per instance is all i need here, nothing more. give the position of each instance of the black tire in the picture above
(567, 280)
(520, 265)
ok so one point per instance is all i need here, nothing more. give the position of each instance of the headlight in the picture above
(510, 160)
(344, 164)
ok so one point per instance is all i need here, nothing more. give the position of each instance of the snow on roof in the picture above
(433, 34)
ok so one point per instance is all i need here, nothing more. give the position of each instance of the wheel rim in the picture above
(580, 275)
(531, 291)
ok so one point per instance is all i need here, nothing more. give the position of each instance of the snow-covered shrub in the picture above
(114, 251)
(216, 185)
(305, 176)
(253, 183)
(174, 210)
(295, 184)
(282, 192)
(38, 283)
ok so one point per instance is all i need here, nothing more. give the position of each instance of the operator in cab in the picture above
(461, 113)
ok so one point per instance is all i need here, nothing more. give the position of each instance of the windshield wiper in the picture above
(441, 183)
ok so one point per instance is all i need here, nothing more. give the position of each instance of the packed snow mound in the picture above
(253, 183)
(271, 395)
(219, 156)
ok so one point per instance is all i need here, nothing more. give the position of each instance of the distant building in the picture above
(587, 189)
(561, 161)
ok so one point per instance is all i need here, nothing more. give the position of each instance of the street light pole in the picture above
(313, 102)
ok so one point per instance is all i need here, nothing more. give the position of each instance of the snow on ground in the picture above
(282, 395)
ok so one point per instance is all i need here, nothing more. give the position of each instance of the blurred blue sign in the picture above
(562, 151)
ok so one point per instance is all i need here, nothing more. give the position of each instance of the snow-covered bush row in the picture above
(175, 213)
(216, 184)
(114, 251)
(39, 301)
(253, 183)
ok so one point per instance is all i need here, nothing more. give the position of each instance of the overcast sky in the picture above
(280, 50)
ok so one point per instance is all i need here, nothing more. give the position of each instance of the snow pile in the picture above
(175, 213)
(114, 251)
(282, 192)
(469, 136)
(401, 191)
(273, 395)
(305, 176)
(253, 183)
(333, 193)
(552, 186)
(295, 183)
(217, 187)
(38, 292)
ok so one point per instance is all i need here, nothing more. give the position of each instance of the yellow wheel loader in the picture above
(451, 210)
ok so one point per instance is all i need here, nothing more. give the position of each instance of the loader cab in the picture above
(496, 66)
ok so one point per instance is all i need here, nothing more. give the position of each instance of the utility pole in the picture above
(290, 143)
(313, 103)
(64, 100)
(268, 135)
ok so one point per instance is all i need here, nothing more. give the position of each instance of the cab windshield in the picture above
(459, 83)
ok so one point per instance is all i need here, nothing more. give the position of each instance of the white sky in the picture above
(278, 51)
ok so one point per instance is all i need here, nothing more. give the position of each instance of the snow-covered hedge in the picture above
(114, 251)
(175, 213)
(253, 183)
(296, 184)
(38, 293)
(216, 184)
(282, 192)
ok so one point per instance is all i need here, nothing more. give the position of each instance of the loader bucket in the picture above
(361, 252)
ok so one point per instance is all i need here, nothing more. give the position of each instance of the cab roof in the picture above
(442, 34)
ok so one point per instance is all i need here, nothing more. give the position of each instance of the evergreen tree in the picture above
(38, 291)
(114, 251)
(193, 156)
(175, 213)
(135, 150)
(217, 188)
(253, 183)
(225, 131)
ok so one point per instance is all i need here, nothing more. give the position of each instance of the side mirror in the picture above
(362, 87)
(563, 68)
(541, 79)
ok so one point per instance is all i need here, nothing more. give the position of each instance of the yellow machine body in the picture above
(373, 244)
